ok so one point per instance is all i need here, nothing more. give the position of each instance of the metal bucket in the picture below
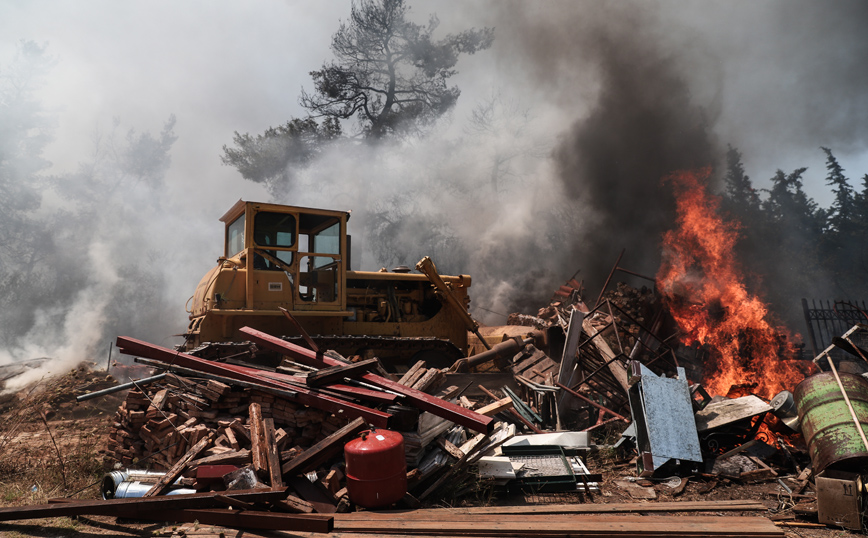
(784, 407)
(131, 483)
(832, 437)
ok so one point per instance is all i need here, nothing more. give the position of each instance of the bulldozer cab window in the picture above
(235, 236)
(274, 229)
(318, 279)
(319, 267)
(328, 241)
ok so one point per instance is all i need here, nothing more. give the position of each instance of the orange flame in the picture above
(703, 287)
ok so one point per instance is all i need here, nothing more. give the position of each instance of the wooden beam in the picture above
(293, 505)
(569, 526)
(245, 519)
(413, 374)
(258, 449)
(129, 507)
(735, 505)
(494, 408)
(274, 470)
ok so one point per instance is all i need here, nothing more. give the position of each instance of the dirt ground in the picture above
(50, 447)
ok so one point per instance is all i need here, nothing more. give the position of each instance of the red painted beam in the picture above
(131, 346)
(422, 400)
(296, 352)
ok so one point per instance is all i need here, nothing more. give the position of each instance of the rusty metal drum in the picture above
(827, 425)
(376, 468)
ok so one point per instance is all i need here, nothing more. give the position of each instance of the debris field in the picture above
(582, 422)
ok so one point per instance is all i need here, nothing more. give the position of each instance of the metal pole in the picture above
(118, 388)
(108, 364)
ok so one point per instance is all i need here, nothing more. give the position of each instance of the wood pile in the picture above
(162, 423)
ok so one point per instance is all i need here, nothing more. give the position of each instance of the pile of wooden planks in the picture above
(162, 422)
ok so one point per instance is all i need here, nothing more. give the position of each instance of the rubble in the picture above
(263, 448)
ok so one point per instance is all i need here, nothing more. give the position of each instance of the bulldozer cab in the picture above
(298, 254)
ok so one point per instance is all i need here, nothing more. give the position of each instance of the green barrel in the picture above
(827, 425)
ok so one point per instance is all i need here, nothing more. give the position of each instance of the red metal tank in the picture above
(376, 468)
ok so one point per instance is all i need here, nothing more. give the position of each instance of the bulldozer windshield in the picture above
(235, 236)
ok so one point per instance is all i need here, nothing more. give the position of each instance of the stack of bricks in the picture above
(155, 429)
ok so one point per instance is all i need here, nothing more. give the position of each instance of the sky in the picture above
(776, 79)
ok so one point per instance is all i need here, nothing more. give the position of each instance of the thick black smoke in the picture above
(641, 124)
(656, 87)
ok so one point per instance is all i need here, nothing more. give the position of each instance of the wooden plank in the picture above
(496, 407)
(166, 480)
(339, 372)
(258, 450)
(431, 378)
(118, 507)
(273, 458)
(323, 451)
(245, 519)
(236, 457)
(294, 505)
(413, 374)
(423, 401)
(620, 525)
(542, 509)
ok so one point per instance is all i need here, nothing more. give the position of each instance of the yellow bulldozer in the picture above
(283, 265)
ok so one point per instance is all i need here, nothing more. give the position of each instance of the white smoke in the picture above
(779, 82)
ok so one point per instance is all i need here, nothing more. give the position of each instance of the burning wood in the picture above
(705, 290)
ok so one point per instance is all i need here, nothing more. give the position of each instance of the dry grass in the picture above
(41, 459)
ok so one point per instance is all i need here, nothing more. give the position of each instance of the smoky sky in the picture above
(661, 86)
(608, 98)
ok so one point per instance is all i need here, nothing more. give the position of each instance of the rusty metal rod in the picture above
(635, 274)
(611, 274)
(588, 400)
(595, 426)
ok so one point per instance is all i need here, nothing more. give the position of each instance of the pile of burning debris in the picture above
(308, 444)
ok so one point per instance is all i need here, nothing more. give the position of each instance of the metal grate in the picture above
(827, 319)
